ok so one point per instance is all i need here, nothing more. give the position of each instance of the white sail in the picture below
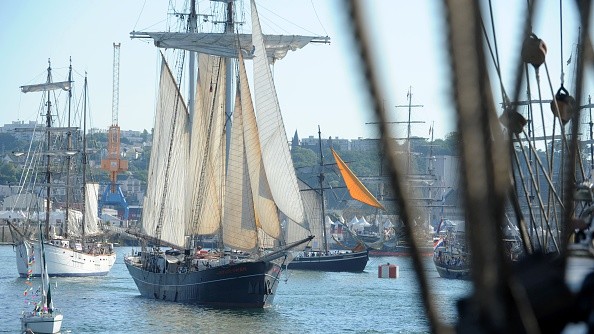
(74, 220)
(273, 138)
(239, 224)
(266, 210)
(225, 45)
(92, 208)
(164, 212)
(91, 216)
(313, 207)
(207, 155)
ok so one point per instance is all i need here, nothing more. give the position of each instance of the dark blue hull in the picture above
(453, 271)
(348, 262)
(238, 285)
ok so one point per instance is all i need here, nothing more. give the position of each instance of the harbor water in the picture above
(306, 302)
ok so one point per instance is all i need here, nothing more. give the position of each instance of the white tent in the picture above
(354, 222)
(388, 224)
(329, 221)
(363, 222)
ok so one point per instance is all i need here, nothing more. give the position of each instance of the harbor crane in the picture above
(113, 162)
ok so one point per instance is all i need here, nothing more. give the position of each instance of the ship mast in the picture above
(68, 157)
(229, 26)
(48, 125)
(408, 130)
(321, 182)
(84, 161)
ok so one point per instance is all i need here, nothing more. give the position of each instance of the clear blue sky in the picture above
(316, 85)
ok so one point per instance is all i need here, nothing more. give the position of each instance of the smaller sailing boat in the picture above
(323, 259)
(44, 318)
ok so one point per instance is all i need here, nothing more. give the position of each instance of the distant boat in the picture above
(451, 254)
(192, 193)
(399, 249)
(390, 243)
(72, 246)
(320, 257)
(44, 318)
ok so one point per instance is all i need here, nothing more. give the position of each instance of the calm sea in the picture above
(306, 302)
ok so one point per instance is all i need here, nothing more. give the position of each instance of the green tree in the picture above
(303, 157)
(10, 143)
(452, 141)
(9, 173)
(144, 135)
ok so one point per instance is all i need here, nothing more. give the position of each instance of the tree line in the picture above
(306, 161)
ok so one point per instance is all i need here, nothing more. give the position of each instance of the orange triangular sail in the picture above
(356, 189)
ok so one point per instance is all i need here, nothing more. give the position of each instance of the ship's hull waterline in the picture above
(237, 285)
(344, 262)
(453, 271)
(61, 261)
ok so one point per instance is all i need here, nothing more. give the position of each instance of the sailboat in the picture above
(321, 258)
(44, 318)
(59, 161)
(211, 180)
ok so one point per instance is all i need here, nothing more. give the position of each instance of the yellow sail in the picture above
(356, 189)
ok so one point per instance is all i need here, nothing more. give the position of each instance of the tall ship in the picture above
(318, 256)
(218, 178)
(56, 161)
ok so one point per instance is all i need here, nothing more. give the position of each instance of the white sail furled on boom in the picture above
(207, 149)
(92, 208)
(44, 87)
(225, 45)
(273, 138)
(164, 213)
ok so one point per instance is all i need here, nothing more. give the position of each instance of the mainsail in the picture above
(207, 149)
(163, 205)
(239, 229)
(355, 187)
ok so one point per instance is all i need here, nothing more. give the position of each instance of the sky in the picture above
(317, 85)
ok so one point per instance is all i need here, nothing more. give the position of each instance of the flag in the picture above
(437, 243)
